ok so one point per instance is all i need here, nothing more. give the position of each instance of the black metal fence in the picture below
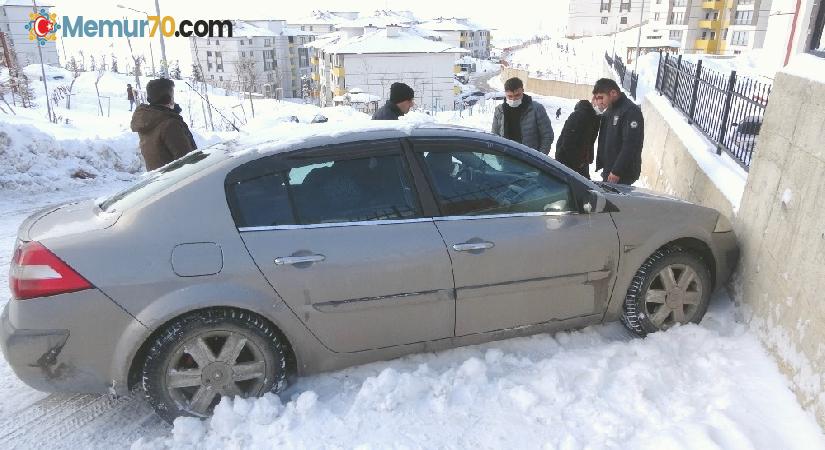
(628, 80)
(726, 108)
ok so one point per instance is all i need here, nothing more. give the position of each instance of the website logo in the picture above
(42, 27)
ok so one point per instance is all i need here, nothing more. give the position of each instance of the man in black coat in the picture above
(400, 102)
(621, 135)
(574, 148)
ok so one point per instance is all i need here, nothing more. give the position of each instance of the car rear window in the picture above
(161, 179)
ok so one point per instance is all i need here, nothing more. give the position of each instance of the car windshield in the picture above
(162, 179)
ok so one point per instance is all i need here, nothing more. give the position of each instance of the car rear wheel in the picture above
(672, 287)
(205, 355)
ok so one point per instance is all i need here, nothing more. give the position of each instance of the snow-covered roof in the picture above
(648, 43)
(452, 24)
(245, 29)
(379, 19)
(363, 97)
(320, 18)
(378, 41)
(289, 31)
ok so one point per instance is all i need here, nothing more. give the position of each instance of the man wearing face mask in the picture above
(522, 120)
(621, 134)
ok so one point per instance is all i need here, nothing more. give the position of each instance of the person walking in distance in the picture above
(574, 148)
(621, 134)
(130, 95)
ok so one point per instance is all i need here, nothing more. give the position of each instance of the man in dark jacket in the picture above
(130, 95)
(574, 148)
(164, 136)
(621, 135)
(522, 120)
(401, 102)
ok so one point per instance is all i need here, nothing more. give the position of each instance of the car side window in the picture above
(468, 182)
(344, 190)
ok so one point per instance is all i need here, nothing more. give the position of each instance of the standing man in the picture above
(130, 94)
(558, 114)
(402, 99)
(164, 136)
(621, 134)
(522, 120)
(574, 148)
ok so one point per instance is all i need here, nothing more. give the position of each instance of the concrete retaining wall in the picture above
(550, 88)
(781, 226)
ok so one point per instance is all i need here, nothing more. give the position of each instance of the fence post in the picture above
(664, 69)
(676, 83)
(723, 127)
(695, 92)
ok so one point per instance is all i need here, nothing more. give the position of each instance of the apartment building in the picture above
(461, 33)
(14, 15)
(370, 59)
(279, 53)
(719, 27)
(602, 17)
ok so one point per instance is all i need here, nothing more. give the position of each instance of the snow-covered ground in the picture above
(694, 387)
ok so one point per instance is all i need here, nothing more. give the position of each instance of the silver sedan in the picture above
(235, 269)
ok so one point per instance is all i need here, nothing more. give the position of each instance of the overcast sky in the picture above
(523, 18)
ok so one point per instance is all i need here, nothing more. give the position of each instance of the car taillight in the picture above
(37, 272)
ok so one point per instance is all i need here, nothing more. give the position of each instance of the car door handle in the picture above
(470, 246)
(289, 260)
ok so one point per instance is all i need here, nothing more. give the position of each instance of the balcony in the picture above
(338, 71)
(710, 24)
(707, 45)
(315, 76)
(313, 61)
(712, 4)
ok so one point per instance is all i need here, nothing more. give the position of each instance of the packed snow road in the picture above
(709, 386)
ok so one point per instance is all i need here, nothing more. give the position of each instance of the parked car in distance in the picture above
(237, 268)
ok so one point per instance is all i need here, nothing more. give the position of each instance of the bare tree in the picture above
(100, 73)
(5, 88)
(138, 62)
(247, 77)
(205, 97)
(74, 68)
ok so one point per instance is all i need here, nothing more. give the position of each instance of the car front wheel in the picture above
(205, 355)
(672, 287)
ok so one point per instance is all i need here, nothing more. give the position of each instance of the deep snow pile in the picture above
(87, 148)
(695, 387)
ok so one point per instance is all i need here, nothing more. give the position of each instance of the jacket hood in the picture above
(585, 106)
(148, 117)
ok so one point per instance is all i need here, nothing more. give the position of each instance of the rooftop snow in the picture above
(244, 29)
(377, 41)
(451, 25)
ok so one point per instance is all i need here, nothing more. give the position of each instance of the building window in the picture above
(676, 18)
(243, 54)
(676, 35)
(217, 42)
(266, 42)
(291, 40)
(242, 41)
(656, 16)
(605, 6)
(745, 2)
(208, 42)
(208, 54)
(739, 38)
(624, 6)
(623, 21)
(743, 18)
(604, 20)
(220, 78)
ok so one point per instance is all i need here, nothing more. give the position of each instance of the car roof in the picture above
(300, 136)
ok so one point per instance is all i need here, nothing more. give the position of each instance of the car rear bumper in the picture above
(64, 343)
(726, 254)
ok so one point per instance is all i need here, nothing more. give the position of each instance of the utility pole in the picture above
(164, 65)
(43, 70)
(639, 38)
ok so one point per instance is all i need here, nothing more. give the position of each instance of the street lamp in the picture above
(162, 45)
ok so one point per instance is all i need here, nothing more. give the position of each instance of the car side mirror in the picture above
(596, 202)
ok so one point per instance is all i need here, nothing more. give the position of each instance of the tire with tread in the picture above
(634, 311)
(169, 340)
